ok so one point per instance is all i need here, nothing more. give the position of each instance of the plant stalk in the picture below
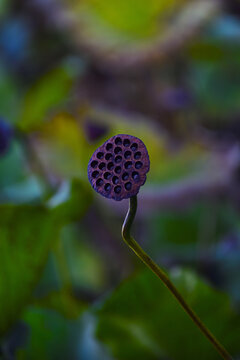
(129, 240)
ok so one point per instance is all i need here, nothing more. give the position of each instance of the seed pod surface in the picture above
(118, 168)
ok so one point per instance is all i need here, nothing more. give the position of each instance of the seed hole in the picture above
(126, 142)
(117, 150)
(110, 166)
(99, 182)
(125, 176)
(95, 174)
(135, 176)
(102, 166)
(107, 175)
(118, 169)
(117, 189)
(100, 155)
(108, 156)
(134, 146)
(118, 141)
(137, 155)
(94, 163)
(127, 154)
(107, 187)
(128, 165)
(128, 186)
(118, 159)
(109, 146)
(115, 180)
(138, 165)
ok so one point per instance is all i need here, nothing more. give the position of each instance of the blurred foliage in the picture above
(195, 230)
(216, 82)
(130, 20)
(72, 74)
(71, 201)
(47, 325)
(49, 93)
(28, 256)
(63, 302)
(133, 28)
(142, 319)
(3, 6)
(64, 140)
(9, 94)
(24, 248)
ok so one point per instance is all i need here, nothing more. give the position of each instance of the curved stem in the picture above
(126, 234)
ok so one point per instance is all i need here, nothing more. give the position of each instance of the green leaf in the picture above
(9, 95)
(86, 267)
(142, 320)
(214, 79)
(51, 336)
(63, 302)
(62, 146)
(72, 201)
(131, 18)
(12, 168)
(26, 235)
(130, 29)
(45, 96)
(172, 228)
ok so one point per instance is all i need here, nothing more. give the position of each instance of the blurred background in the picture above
(72, 74)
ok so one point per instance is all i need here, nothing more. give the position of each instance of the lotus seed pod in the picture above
(118, 168)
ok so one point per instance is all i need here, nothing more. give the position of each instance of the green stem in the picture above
(126, 234)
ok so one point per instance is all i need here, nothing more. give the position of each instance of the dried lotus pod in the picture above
(118, 168)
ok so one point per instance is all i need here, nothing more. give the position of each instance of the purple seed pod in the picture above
(118, 168)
